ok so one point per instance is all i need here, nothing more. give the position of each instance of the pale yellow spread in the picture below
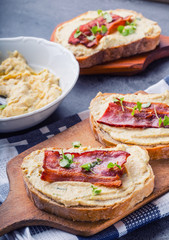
(144, 28)
(25, 89)
(70, 193)
(139, 136)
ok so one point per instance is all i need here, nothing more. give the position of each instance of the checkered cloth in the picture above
(12, 146)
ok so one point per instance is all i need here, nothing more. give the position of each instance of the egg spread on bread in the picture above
(69, 32)
(138, 175)
(25, 89)
(145, 136)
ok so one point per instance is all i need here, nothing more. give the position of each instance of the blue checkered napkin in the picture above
(12, 146)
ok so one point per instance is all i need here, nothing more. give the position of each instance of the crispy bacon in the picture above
(86, 30)
(100, 174)
(146, 118)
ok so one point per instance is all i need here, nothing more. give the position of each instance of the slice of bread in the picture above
(75, 201)
(155, 140)
(112, 46)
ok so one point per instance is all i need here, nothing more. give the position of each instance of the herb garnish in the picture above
(165, 121)
(88, 166)
(66, 160)
(128, 29)
(146, 105)
(76, 144)
(120, 100)
(138, 106)
(77, 33)
(2, 106)
(105, 15)
(95, 190)
(112, 165)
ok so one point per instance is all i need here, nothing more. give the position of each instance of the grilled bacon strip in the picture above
(86, 30)
(100, 174)
(146, 118)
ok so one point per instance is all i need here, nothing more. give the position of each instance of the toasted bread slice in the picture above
(155, 140)
(75, 201)
(112, 46)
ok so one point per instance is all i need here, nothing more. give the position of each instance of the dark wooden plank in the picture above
(18, 210)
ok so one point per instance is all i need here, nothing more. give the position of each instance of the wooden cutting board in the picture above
(18, 210)
(130, 65)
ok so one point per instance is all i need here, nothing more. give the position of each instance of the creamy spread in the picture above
(145, 137)
(25, 90)
(80, 193)
(145, 28)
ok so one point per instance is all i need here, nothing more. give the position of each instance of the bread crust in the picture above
(155, 152)
(145, 44)
(88, 213)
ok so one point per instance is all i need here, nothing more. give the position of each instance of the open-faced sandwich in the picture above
(88, 184)
(136, 119)
(99, 36)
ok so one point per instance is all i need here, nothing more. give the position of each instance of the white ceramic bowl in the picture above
(40, 54)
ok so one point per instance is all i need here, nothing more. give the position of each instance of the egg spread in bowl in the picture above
(25, 90)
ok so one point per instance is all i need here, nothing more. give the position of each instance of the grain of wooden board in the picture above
(18, 210)
(131, 65)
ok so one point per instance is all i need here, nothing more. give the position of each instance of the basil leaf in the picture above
(146, 105)
(2, 106)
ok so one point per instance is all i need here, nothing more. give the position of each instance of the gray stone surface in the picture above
(39, 18)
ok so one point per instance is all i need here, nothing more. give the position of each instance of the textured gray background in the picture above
(39, 17)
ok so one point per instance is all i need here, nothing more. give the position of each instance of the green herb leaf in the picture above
(112, 165)
(99, 11)
(138, 106)
(66, 160)
(115, 100)
(107, 16)
(95, 190)
(125, 32)
(76, 144)
(146, 105)
(89, 166)
(99, 161)
(103, 29)
(133, 112)
(120, 28)
(120, 100)
(166, 120)
(2, 106)
(86, 166)
(160, 121)
(77, 33)
(138, 18)
(94, 29)
(91, 38)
